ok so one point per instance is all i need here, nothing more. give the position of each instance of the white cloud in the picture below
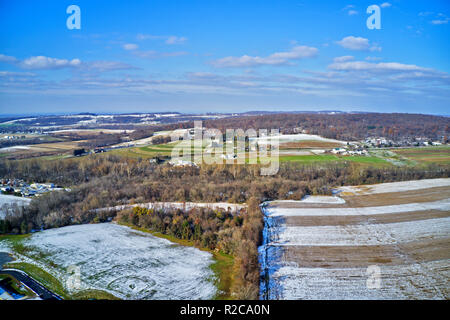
(440, 21)
(103, 66)
(439, 18)
(381, 66)
(175, 40)
(371, 58)
(130, 46)
(141, 36)
(375, 48)
(9, 59)
(278, 58)
(48, 63)
(350, 10)
(343, 58)
(357, 43)
(354, 43)
(16, 74)
(425, 13)
(167, 39)
(151, 54)
(42, 62)
(385, 5)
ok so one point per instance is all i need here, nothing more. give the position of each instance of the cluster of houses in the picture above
(17, 186)
(12, 137)
(378, 141)
(381, 142)
(182, 163)
(19, 135)
(348, 152)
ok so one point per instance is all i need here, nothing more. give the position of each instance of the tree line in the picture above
(98, 181)
(342, 126)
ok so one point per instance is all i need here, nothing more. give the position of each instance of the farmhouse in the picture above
(338, 151)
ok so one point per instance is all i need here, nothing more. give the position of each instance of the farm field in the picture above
(301, 137)
(146, 152)
(41, 149)
(286, 155)
(322, 247)
(150, 151)
(333, 158)
(118, 260)
(439, 155)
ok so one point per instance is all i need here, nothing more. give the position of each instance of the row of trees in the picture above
(343, 126)
(105, 181)
(108, 180)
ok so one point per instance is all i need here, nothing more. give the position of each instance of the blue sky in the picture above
(224, 56)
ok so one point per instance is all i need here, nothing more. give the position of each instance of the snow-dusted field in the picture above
(396, 186)
(328, 260)
(397, 282)
(127, 263)
(443, 205)
(296, 137)
(179, 205)
(4, 247)
(363, 235)
(15, 148)
(314, 199)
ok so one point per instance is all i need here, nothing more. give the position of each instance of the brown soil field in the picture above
(437, 154)
(365, 219)
(410, 269)
(375, 200)
(44, 149)
(364, 256)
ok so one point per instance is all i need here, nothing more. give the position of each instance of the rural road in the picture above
(39, 289)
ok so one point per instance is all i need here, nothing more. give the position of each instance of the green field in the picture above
(166, 150)
(151, 151)
(377, 157)
(309, 159)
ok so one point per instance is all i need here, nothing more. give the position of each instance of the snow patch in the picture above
(443, 205)
(397, 282)
(315, 199)
(127, 263)
(364, 235)
(395, 186)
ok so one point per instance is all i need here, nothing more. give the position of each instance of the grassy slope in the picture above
(16, 286)
(45, 278)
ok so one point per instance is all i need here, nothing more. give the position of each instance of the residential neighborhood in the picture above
(21, 188)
